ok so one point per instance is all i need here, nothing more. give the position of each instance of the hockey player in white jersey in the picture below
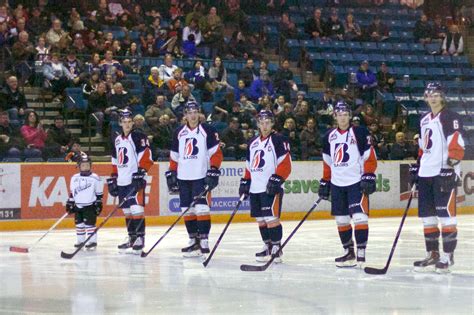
(268, 166)
(195, 160)
(131, 160)
(441, 150)
(349, 164)
(85, 201)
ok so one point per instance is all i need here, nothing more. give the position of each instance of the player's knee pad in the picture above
(136, 210)
(343, 219)
(360, 218)
(191, 212)
(126, 212)
(430, 221)
(202, 209)
(450, 221)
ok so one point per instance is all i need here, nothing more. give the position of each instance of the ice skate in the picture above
(427, 264)
(193, 249)
(347, 260)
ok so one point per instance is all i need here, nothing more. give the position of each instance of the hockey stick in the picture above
(27, 249)
(111, 213)
(377, 271)
(206, 262)
(264, 267)
(206, 190)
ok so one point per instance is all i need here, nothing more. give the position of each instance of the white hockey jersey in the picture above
(130, 153)
(440, 139)
(194, 151)
(85, 189)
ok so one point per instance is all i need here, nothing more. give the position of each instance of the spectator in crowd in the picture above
(385, 80)
(177, 83)
(401, 149)
(335, 28)
(368, 115)
(167, 69)
(59, 138)
(23, 52)
(111, 66)
(13, 101)
(197, 76)
(310, 140)
(180, 99)
(377, 31)
(223, 108)
(232, 140)
(218, 75)
(42, 51)
(10, 142)
(248, 74)
(300, 97)
(74, 65)
(78, 45)
(140, 124)
(158, 109)
(366, 82)
(118, 98)
(193, 28)
(247, 105)
(94, 65)
(189, 47)
(325, 107)
(283, 115)
(378, 140)
(302, 114)
(240, 90)
(91, 85)
(356, 121)
(316, 26)
(286, 28)
(56, 36)
(37, 22)
(439, 29)
(57, 75)
(352, 30)
(290, 132)
(283, 80)
(154, 86)
(212, 30)
(261, 87)
(33, 135)
(423, 30)
(97, 105)
(238, 47)
(134, 55)
(453, 43)
(162, 134)
(279, 104)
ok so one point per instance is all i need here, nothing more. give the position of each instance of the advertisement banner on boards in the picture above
(10, 198)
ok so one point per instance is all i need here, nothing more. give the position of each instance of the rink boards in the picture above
(33, 195)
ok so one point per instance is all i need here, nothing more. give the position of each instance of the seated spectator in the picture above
(134, 55)
(197, 76)
(261, 87)
(33, 135)
(167, 69)
(57, 75)
(352, 29)
(316, 26)
(248, 74)
(180, 99)
(162, 134)
(158, 109)
(377, 31)
(439, 29)
(56, 35)
(233, 141)
(13, 101)
(91, 85)
(111, 66)
(218, 75)
(244, 115)
(368, 115)
(177, 83)
(325, 108)
(59, 139)
(140, 124)
(240, 90)
(290, 132)
(238, 47)
(335, 28)
(286, 28)
(193, 29)
(401, 149)
(356, 121)
(119, 98)
(300, 97)
(212, 30)
(23, 52)
(302, 114)
(10, 142)
(154, 86)
(246, 105)
(282, 116)
(385, 80)
(453, 44)
(223, 108)
(74, 66)
(283, 80)
(378, 140)
(42, 51)
(78, 45)
(366, 82)
(189, 47)
(310, 140)
(94, 65)
(423, 30)
(97, 105)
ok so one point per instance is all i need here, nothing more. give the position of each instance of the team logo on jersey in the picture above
(258, 160)
(427, 143)
(122, 156)
(341, 156)
(190, 148)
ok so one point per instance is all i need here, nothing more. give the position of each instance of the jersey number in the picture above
(455, 124)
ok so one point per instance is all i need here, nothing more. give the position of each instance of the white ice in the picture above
(105, 282)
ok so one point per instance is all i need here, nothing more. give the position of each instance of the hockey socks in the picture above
(276, 234)
(265, 234)
(431, 238)
(450, 234)
(80, 233)
(345, 234)
(361, 234)
(191, 225)
(203, 224)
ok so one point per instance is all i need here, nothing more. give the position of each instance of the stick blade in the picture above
(253, 268)
(19, 249)
(375, 271)
(143, 254)
(66, 255)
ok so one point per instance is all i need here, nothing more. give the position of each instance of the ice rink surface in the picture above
(105, 282)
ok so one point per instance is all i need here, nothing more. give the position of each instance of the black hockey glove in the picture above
(324, 189)
(138, 179)
(446, 180)
(70, 206)
(112, 185)
(244, 188)
(212, 178)
(172, 182)
(274, 184)
(413, 169)
(367, 183)
(98, 206)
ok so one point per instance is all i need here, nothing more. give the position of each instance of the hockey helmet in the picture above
(84, 158)
(342, 107)
(433, 88)
(265, 114)
(125, 114)
(191, 105)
